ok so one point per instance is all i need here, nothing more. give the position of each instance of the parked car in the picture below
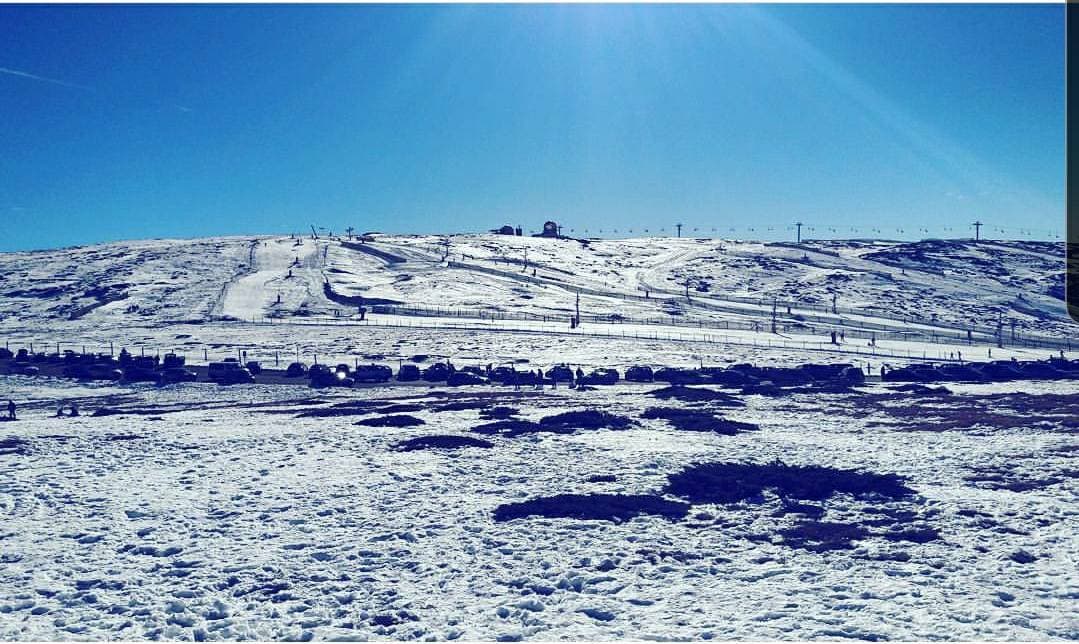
(6, 354)
(325, 377)
(726, 377)
(504, 375)
(640, 373)
(255, 367)
(372, 373)
(171, 361)
(229, 372)
(601, 376)
(560, 373)
(437, 372)
(408, 373)
(459, 378)
(317, 370)
(145, 362)
(176, 374)
(679, 376)
(296, 370)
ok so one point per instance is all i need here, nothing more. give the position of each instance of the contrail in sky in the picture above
(15, 72)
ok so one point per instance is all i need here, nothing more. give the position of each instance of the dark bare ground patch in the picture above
(587, 419)
(359, 410)
(821, 536)
(13, 446)
(565, 423)
(989, 412)
(602, 507)
(697, 394)
(772, 390)
(124, 437)
(922, 390)
(508, 428)
(462, 405)
(697, 421)
(498, 413)
(441, 442)
(401, 420)
(806, 509)
(733, 482)
(133, 411)
(912, 535)
(1002, 479)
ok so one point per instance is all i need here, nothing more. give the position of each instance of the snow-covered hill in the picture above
(959, 282)
(897, 296)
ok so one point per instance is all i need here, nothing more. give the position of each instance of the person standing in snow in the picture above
(74, 409)
(11, 409)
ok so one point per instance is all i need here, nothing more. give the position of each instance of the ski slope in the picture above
(886, 298)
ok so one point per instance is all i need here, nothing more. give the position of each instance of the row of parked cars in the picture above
(995, 371)
(102, 366)
(171, 369)
(737, 375)
(343, 375)
(167, 369)
(745, 374)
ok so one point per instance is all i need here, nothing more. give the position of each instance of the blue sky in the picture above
(121, 122)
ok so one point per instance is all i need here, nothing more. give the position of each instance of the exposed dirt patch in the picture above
(401, 420)
(441, 442)
(697, 421)
(602, 507)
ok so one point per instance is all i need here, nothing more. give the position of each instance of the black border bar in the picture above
(1071, 129)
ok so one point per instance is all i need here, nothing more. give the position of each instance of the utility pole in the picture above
(1000, 329)
(834, 296)
(349, 231)
(977, 230)
(775, 303)
(799, 225)
(679, 227)
(578, 307)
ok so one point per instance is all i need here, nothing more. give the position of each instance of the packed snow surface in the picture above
(195, 511)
